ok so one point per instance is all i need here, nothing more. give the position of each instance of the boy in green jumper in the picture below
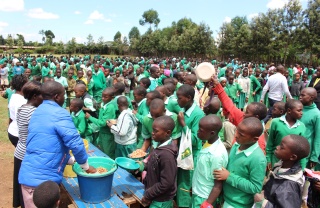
(311, 119)
(157, 109)
(213, 156)
(99, 83)
(79, 119)
(246, 167)
(189, 118)
(141, 111)
(233, 90)
(283, 126)
(107, 112)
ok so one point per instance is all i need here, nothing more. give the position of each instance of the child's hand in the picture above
(181, 119)
(254, 94)
(145, 201)
(221, 175)
(214, 80)
(87, 115)
(91, 170)
(258, 197)
(269, 166)
(134, 112)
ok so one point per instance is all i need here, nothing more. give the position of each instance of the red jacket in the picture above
(235, 114)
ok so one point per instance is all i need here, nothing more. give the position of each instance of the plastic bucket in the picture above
(96, 188)
(68, 172)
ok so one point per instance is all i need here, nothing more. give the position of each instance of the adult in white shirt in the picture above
(277, 85)
(16, 101)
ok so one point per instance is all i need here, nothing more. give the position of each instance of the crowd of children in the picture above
(241, 157)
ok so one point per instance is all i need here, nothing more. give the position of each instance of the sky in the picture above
(79, 18)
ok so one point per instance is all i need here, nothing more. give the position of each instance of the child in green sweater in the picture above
(311, 119)
(283, 126)
(79, 119)
(246, 166)
(107, 112)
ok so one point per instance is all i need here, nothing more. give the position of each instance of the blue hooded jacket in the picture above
(51, 135)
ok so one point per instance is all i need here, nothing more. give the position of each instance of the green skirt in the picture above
(165, 204)
(242, 100)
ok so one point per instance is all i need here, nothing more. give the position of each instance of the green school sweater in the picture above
(280, 128)
(232, 91)
(45, 71)
(172, 104)
(107, 112)
(99, 80)
(192, 117)
(311, 119)
(35, 70)
(81, 123)
(147, 127)
(247, 170)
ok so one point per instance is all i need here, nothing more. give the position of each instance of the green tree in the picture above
(90, 43)
(2, 40)
(21, 37)
(184, 23)
(150, 17)
(117, 36)
(71, 46)
(134, 33)
(100, 44)
(9, 41)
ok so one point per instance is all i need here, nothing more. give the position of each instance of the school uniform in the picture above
(109, 81)
(45, 72)
(192, 117)
(311, 119)
(211, 157)
(295, 89)
(106, 138)
(232, 91)
(244, 82)
(255, 86)
(35, 70)
(279, 129)
(142, 111)
(247, 171)
(172, 104)
(125, 133)
(81, 123)
(147, 127)
(154, 83)
(99, 84)
(160, 181)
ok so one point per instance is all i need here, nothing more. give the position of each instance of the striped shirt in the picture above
(23, 117)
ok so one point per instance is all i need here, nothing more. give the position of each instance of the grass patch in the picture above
(4, 120)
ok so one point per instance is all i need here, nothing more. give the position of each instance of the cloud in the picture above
(2, 25)
(251, 16)
(88, 22)
(77, 12)
(113, 15)
(276, 4)
(39, 13)
(95, 15)
(12, 5)
(227, 19)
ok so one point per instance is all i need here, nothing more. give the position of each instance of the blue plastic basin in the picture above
(96, 188)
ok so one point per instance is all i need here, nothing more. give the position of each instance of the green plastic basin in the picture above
(127, 163)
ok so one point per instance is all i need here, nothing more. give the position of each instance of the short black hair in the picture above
(123, 101)
(146, 81)
(155, 94)
(213, 122)
(46, 195)
(259, 109)
(78, 102)
(153, 69)
(170, 88)
(31, 89)
(187, 90)
(291, 104)
(18, 81)
(156, 104)
(141, 91)
(119, 88)
(281, 105)
(165, 122)
(168, 80)
(51, 88)
(254, 126)
(301, 146)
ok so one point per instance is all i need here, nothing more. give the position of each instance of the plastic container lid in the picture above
(205, 71)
